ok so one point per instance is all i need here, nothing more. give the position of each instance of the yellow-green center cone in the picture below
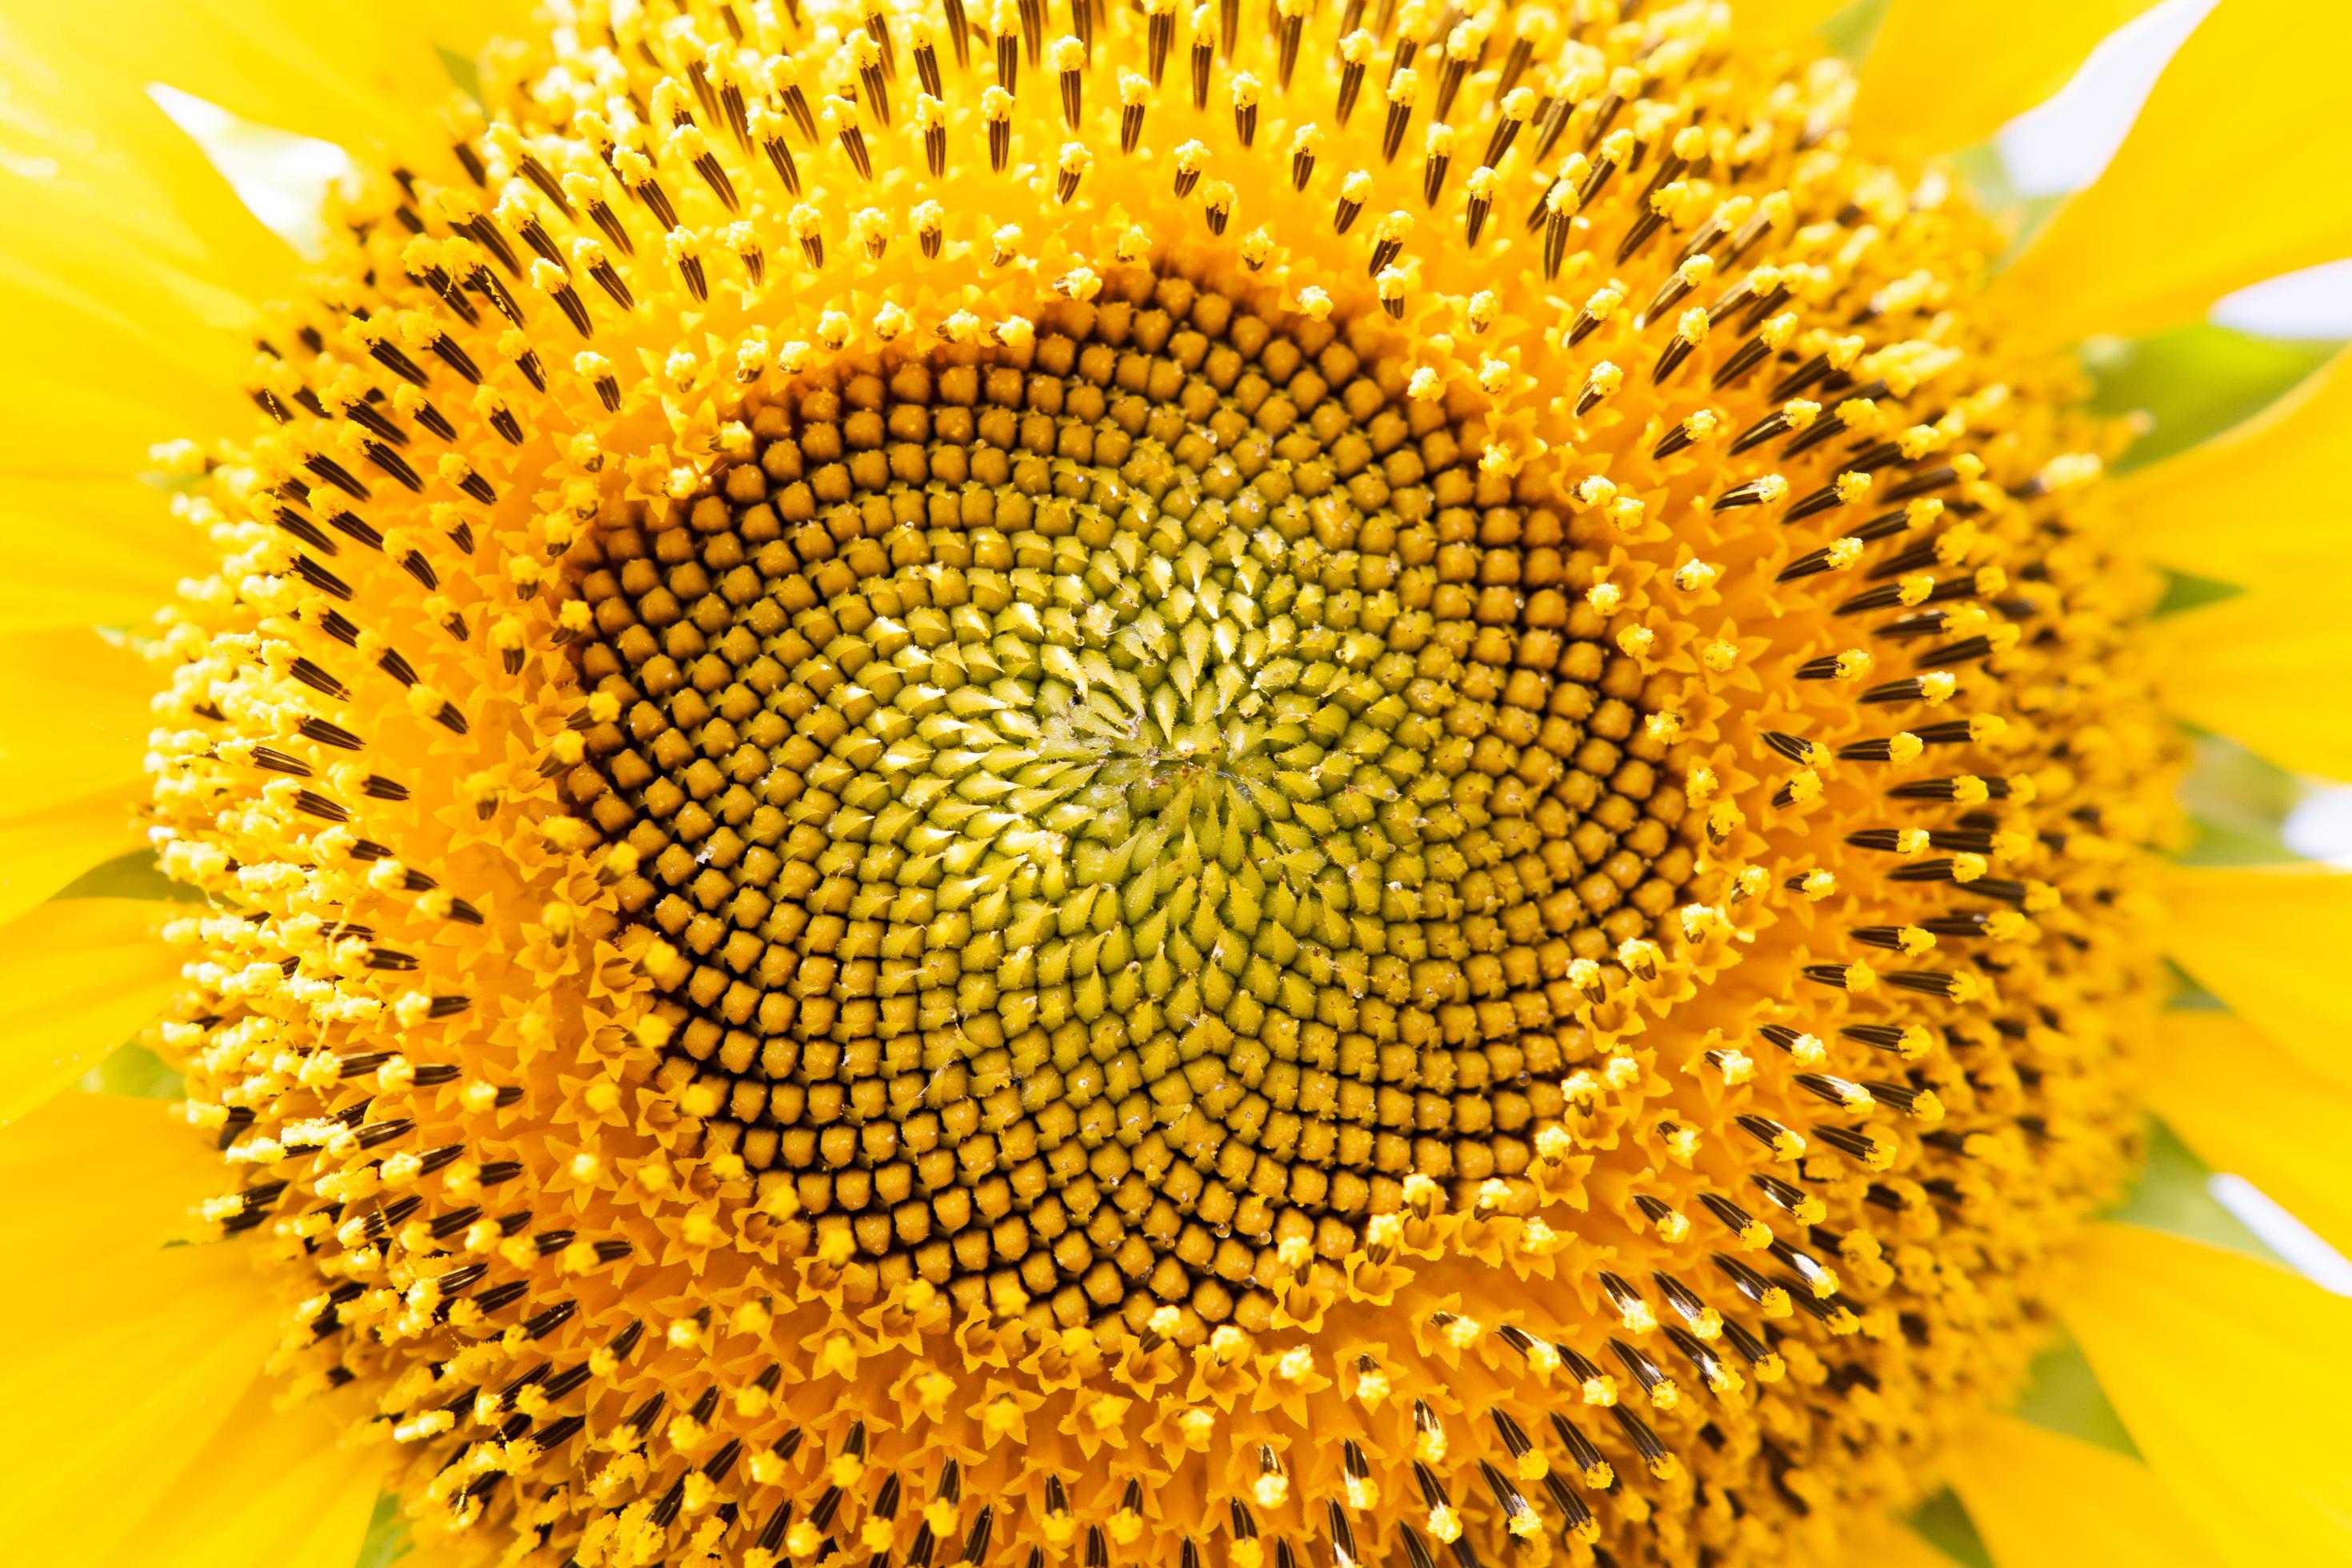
(1250, 785)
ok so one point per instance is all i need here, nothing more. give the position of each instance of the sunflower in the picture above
(1179, 784)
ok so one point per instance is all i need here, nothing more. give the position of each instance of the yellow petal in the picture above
(2230, 175)
(132, 1352)
(2016, 53)
(364, 76)
(74, 723)
(2249, 1108)
(274, 1488)
(2231, 1377)
(426, 1555)
(73, 715)
(128, 283)
(75, 979)
(62, 429)
(1883, 1543)
(1778, 19)
(136, 1170)
(2258, 506)
(90, 552)
(2267, 669)
(44, 850)
(2043, 1500)
(120, 345)
(464, 26)
(95, 146)
(2270, 943)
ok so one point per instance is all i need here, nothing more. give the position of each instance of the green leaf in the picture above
(2064, 1397)
(135, 1071)
(467, 75)
(2187, 995)
(2185, 591)
(387, 1537)
(137, 874)
(2193, 383)
(131, 1069)
(2239, 804)
(1849, 34)
(1949, 1529)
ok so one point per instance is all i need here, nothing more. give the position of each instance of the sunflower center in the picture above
(1114, 810)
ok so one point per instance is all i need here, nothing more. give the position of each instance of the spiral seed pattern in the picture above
(1118, 814)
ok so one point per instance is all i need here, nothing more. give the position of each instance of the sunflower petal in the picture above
(2276, 480)
(73, 739)
(59, 429)
(76, 978)
(134, 1351)
(73, 715)
(129, 1204)
(44, 850)
(2017, 53)
(93, 394)
(273, 1487)
(2266, 670)
(360, 75)
(128, 277)
(1883, 1543)
(2247, 1107)
(1776, 19)
(2257, 1466)
(2042, 1501)
(2270, 942)
(2226, 179)
(97, 145)
(86, 552)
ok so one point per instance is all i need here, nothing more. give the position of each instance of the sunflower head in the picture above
(987, 784)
